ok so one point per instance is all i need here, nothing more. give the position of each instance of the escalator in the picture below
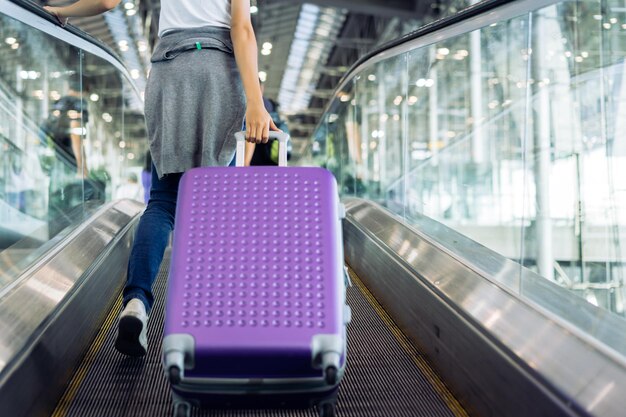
(386, 375)
(445, 321)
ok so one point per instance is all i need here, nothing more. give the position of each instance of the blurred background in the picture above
(511, 134)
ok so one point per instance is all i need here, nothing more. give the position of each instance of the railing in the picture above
(506, 123)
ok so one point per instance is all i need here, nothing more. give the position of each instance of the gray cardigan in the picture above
(194, 100)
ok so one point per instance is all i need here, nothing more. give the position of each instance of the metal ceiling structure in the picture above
(313, 43)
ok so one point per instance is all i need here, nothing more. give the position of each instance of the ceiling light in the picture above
(94, 97)
(262, 76)
(267, 45)
(323, 32)
(266, 51)
(254, 9)
(308, 53)
(10, 41)
(129, 5)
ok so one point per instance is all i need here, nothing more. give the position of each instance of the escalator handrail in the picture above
(401, 44)
(42, 13)
(104, 51)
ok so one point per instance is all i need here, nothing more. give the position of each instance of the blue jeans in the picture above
(151, 238)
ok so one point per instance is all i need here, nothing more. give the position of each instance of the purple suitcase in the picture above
(256, 294)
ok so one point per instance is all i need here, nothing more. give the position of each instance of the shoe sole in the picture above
(127, 341)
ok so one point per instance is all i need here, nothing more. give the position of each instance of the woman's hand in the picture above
(56, 12)
(258, 124)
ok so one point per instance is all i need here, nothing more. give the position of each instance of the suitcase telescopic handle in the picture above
(282, 138)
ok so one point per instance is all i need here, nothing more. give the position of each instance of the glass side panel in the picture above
(466, 129)
(37, 71)
(330, 147)
(104, 91)
(71, 132)
(135, 163)
(575, 173)
(514, 136)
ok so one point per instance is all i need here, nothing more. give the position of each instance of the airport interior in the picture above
(475, 146)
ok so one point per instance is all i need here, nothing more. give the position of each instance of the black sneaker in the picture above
(132, 339)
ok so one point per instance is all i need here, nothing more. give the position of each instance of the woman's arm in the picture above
(82, 8)
(258, 120)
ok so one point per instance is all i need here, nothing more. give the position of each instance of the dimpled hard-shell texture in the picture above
(255, 263)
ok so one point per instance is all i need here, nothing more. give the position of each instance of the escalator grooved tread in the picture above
(382, 379)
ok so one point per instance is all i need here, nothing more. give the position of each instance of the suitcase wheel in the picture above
(327, 410)
(331, 375)
(182, 409)
(174, 375)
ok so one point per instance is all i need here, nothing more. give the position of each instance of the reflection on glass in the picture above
(62, 127)
(512, 134)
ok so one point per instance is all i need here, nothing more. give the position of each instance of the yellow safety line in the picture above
(411, 350)
(452, 403)
(68, 397)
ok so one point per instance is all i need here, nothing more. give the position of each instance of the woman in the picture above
(203, 81)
